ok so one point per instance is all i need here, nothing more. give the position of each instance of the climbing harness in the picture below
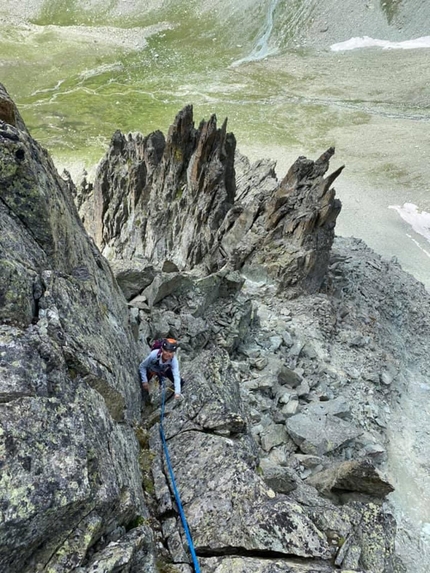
(172, 479)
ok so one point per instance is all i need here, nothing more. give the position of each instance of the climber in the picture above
(163, 363)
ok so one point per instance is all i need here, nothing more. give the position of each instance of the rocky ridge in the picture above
(292, 347)
(176, 200)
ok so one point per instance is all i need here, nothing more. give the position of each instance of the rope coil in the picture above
(175, 489)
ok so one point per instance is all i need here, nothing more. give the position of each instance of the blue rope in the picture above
(175, 489)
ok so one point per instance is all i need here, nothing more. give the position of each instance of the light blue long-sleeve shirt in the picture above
(153, 362)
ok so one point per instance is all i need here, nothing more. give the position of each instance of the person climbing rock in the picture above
(163, 363)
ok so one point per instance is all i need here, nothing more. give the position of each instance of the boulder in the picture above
(280, 479)
(318, 435)
(289, 377)
(355, 475)
(337, 407)
(133, 276)
(9, 113)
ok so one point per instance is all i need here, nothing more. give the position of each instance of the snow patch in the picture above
(418, 220)
(367, 42)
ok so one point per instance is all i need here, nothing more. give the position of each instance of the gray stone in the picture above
(165, 284)
(139, 301)
(289, 377)
(291, 408)
(130, 553)
(315, 434)
(284, 395)
(356, 475)
(133, 276)
(337, 407)
(171, 528)
(387, 378)
(275, 343)
(273, 436)
(287, 339)
(308, 461)
(303, 389)
(280, 479)
(260, 363)
(267, 385)
(169, 267)
(375, 451)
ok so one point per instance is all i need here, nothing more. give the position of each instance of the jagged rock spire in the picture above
(288, 233)
(175, 199)
(164, 199)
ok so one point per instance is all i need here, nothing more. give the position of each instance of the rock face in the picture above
(69, 393)
(278, 445)
(177, 199)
